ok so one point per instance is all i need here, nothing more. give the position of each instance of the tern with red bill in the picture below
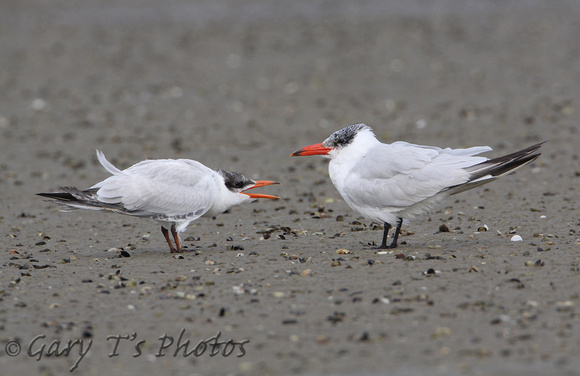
(390, 183)
(172, 191)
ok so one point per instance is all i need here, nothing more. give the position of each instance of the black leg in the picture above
(166, 234)
(397, 232)
(385, 233)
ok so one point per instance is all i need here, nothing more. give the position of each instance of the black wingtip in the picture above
(63, 196)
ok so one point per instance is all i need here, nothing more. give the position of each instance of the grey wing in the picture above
(163, 189)
(402, 174)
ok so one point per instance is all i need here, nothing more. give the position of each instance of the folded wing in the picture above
(164, 189)
(403, 174)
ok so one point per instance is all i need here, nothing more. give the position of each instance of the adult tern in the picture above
(392, 182)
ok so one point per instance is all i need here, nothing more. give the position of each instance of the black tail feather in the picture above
(493, 169)
(501, 165)
(61, 196)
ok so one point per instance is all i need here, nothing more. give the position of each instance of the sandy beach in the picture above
(263, 288)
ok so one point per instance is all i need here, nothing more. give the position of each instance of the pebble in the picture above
(534, 263)
(565, 306)
(322, 339)
(306, 273)
(441, 332)
(342, 251)
(238, 289)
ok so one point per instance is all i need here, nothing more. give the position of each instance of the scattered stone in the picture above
(336, 317)
(441, 332)
(322, 339)
(364, 337)
(41, 266)
(566, 306)
(306, 273)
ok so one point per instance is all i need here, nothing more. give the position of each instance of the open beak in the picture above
(316, 149)
(261, 183)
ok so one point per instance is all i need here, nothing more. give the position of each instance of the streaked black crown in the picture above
(344, 136)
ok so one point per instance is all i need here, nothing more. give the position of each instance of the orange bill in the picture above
(316, 149)
(261, 183)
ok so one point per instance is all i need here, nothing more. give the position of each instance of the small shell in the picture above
(516, 238)
(306, 273)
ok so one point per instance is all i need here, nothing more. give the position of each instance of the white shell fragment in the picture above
(516, 238)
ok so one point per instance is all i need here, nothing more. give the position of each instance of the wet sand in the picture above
(240, 87)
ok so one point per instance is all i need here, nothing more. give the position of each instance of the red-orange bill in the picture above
(261, 183)
(316, 149)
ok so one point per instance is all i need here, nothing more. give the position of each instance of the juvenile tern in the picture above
(392, 182)
(173, 191)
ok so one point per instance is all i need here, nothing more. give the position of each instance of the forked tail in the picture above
(493, 169)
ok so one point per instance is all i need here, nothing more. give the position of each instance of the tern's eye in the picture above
(238, 184)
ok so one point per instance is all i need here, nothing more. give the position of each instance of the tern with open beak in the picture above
(392, 182)
(172, 191)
